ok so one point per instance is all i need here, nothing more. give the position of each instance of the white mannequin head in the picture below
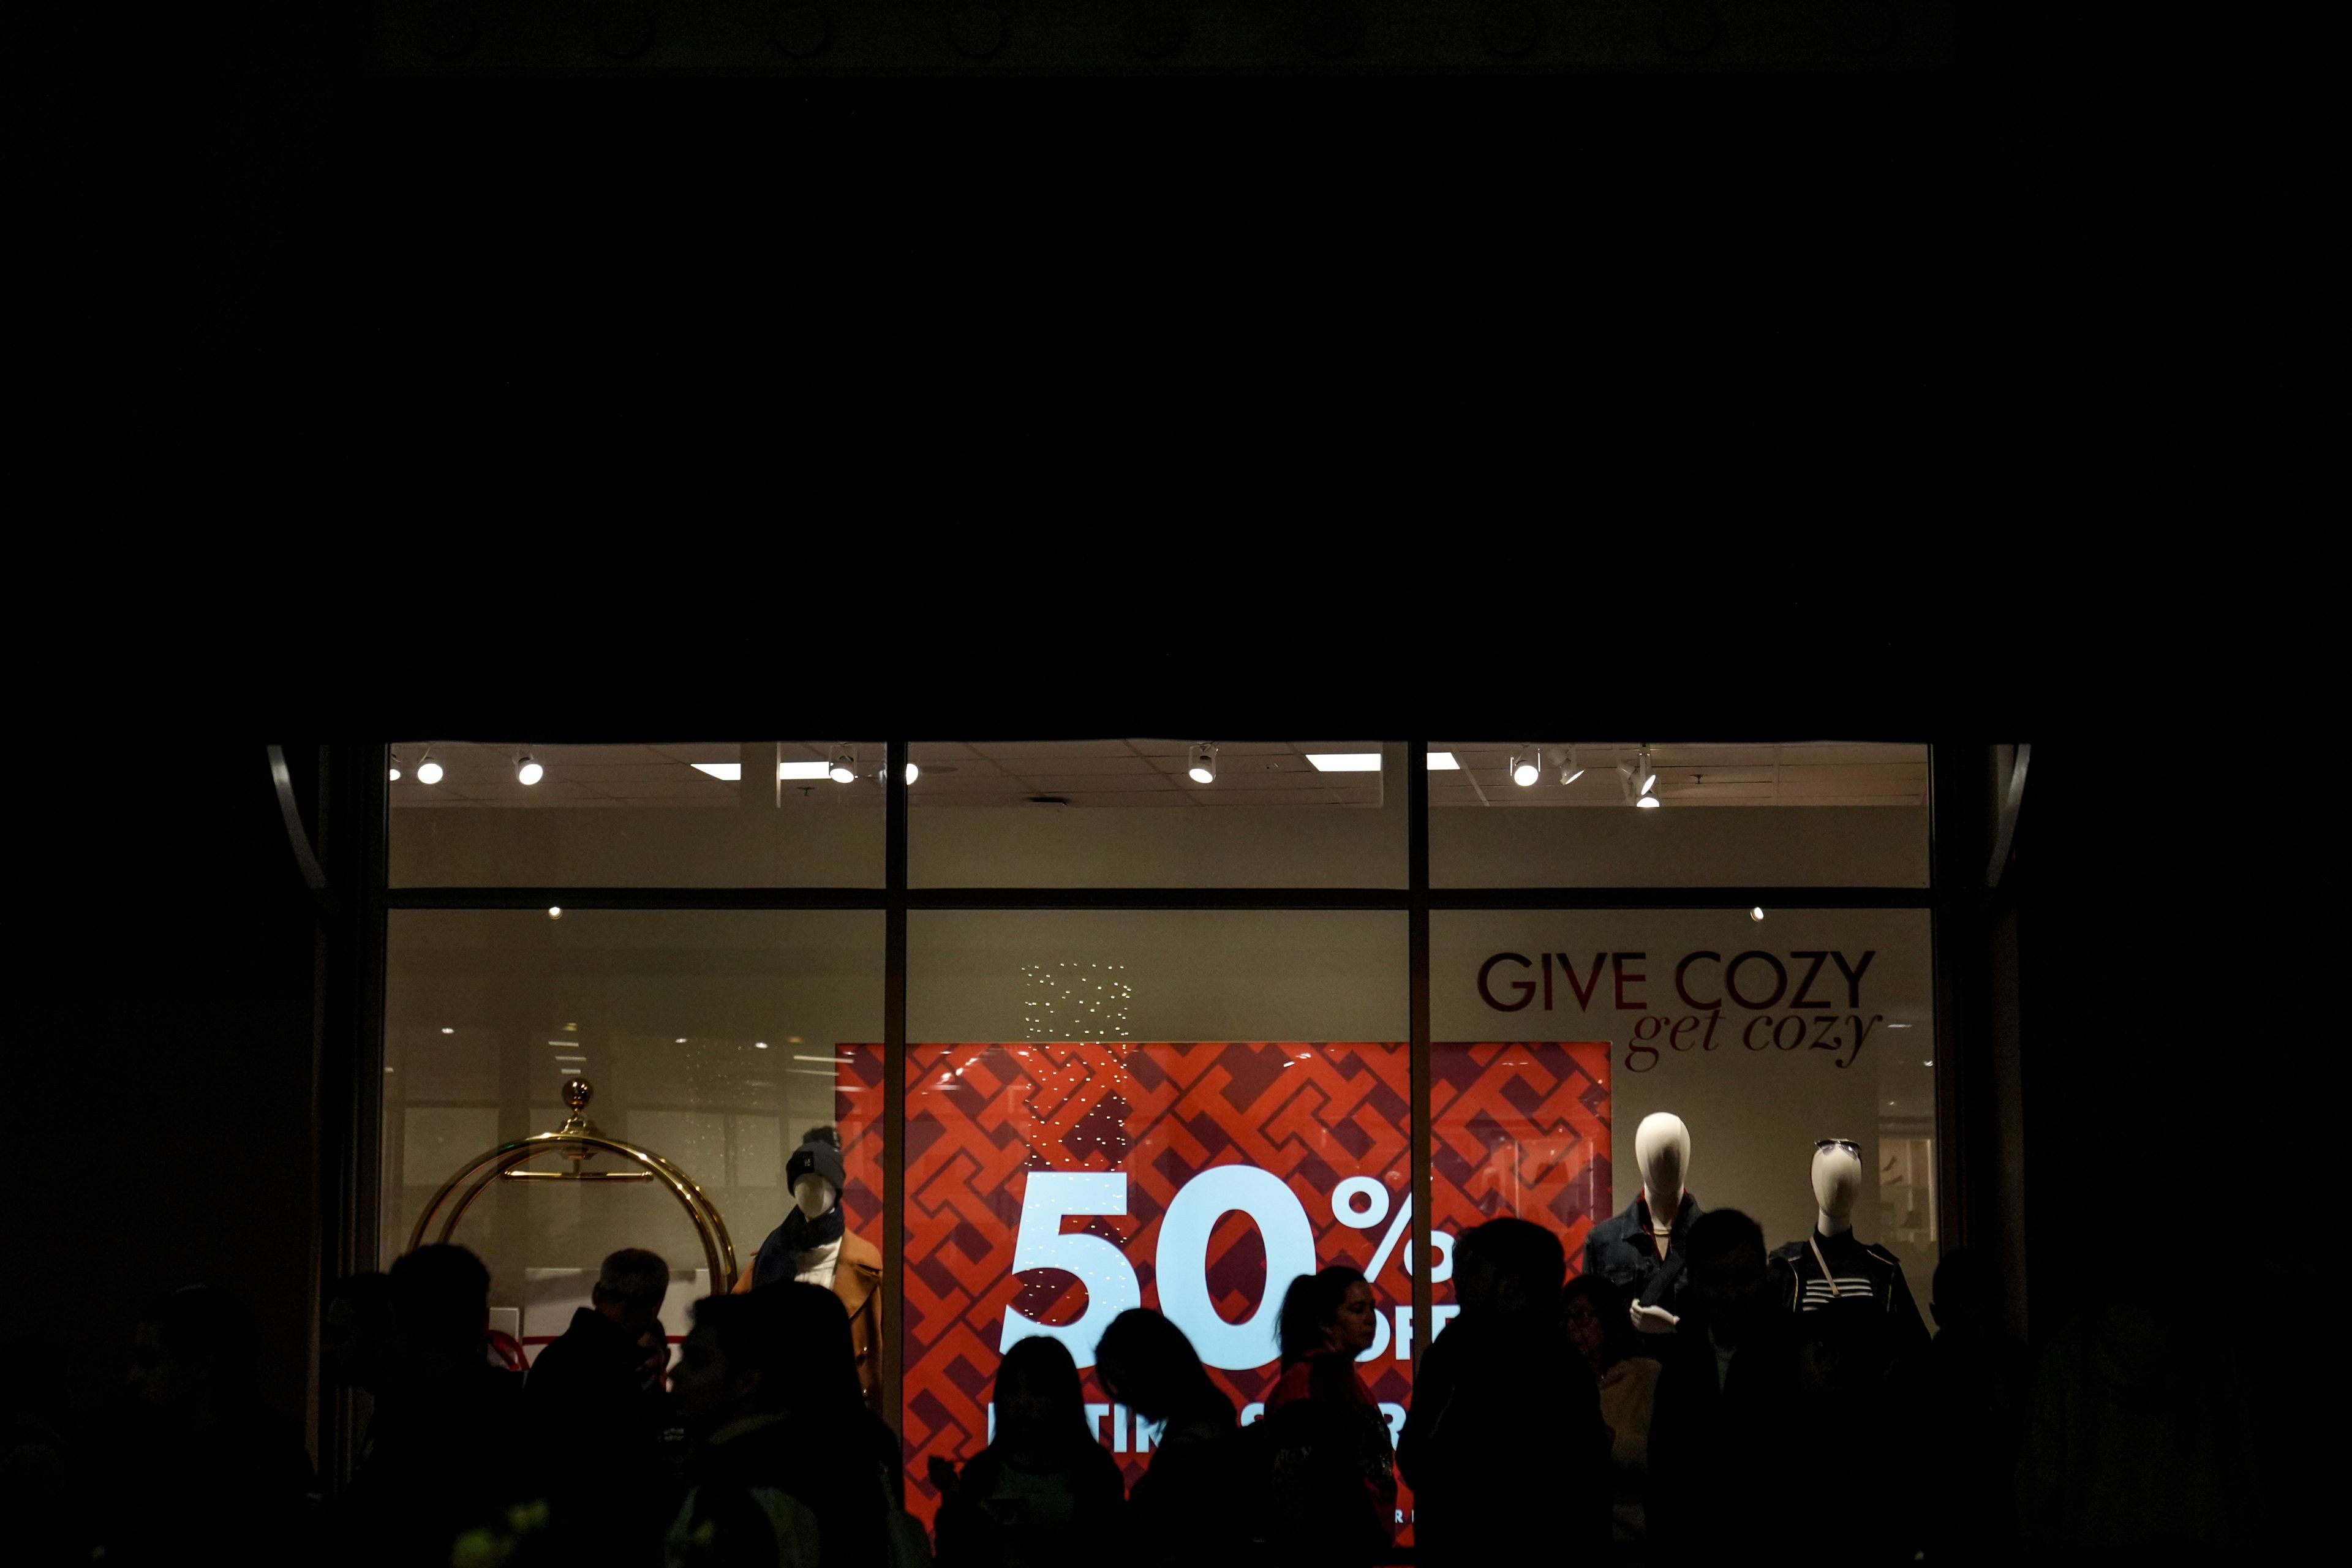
(1837, 1183)
(813, 1194)
(1661, 1149)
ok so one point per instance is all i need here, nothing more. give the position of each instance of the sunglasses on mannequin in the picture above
(1846, 1143)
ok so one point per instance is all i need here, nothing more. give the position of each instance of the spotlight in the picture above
(1649, 801)
(1527, 766)
(1202, 768)
(1571, 770)
(526, 769)
(428, 771)
(555, 912)
(1757, 913)
(395, 767)
(913, 773)
(1645, 777)
(845, 765)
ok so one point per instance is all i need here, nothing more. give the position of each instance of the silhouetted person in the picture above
(2139, 1443)
(1592, 1314)
(44, 1470)
(1201, 1500)
(1043, 1493)
(355, 1333)
(596, 1409)
(445, 1448)
(1331, 1495)
(786, 1468)
(1505, 1446)
(202, 1473)
(1727, 1459)
(1968, 1396)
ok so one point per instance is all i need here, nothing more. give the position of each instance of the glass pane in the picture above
(1811, 815)
(1200, 1172)
(1764, 1036)
(715, 1039)
(1157, 812)
(725, 813)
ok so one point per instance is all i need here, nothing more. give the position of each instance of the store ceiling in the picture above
(1150, 772)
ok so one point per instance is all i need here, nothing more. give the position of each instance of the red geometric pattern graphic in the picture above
(982, 1118)
(1519, 1129)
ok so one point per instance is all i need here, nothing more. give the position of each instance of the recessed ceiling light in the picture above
(1345, 761)
(759, 1045)
(1442, 762)
(679, 1041)
(725, 773)
(446, 1030)
(555, 912)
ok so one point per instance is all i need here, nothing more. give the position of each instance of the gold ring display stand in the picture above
(579, 1140)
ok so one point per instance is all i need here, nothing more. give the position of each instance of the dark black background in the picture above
(1971, 406)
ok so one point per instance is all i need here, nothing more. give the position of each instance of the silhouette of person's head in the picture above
(630, 1288)
(192, 1359)
(1729, 1289)
(1039, 1405)
(440, 1305)
(1593, 1315)
(1508, 1267)
(811, 1327)
(355, 1338)
(1965, 1292)
(732, 1364)
(1328, 1311)
(1148, 1365)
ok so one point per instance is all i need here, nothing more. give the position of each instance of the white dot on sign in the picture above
(555, 912)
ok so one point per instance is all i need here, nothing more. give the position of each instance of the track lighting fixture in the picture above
(1527, 766)
(1571, 770)
(526, 769)
(395, 767)
(428, 771)
(844, 765)
(1645, 777)
(1202, 767)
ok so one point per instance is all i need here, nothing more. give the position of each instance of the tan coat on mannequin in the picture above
(856, 1280)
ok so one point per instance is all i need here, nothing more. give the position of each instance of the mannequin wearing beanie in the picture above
(814, 1247)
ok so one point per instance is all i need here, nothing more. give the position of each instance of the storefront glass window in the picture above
(725, 813)
(1765, 1035)
(1181, 1110)
(1816, 815)
(1169, 812)
(717, 1040)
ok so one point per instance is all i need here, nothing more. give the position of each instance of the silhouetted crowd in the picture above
(1544, 1428)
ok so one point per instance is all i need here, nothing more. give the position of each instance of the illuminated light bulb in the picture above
(845, 765)
(759, 1045)
(913, 773)
(1649, 801)
(1527, 766)
(395, 767)
(528, 771)
(1202, 767)
(555, 912)
(428, 771)
(446, 1030)
(1755, 914)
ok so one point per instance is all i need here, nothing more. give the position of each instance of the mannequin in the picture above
(815, 1247)
(1833, 1270)
(1640, 1251)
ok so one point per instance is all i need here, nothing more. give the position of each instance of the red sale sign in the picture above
(1051, 1186)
